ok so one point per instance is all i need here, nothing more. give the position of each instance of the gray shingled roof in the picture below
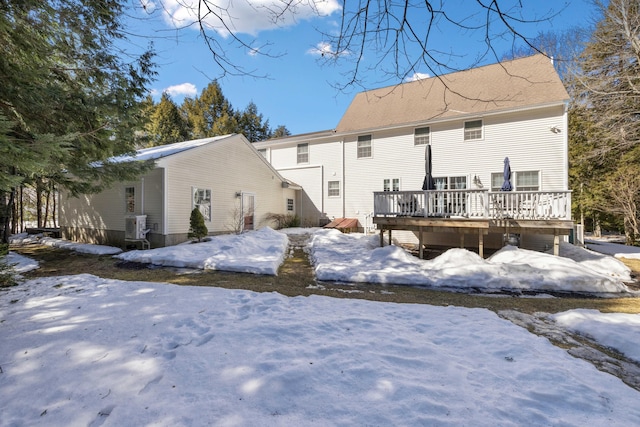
(520, 83)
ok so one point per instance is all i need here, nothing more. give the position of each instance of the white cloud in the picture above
(325, 49)
(248, 17)
(417, 76)
(186, 89)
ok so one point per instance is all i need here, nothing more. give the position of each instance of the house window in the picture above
(202, 201)
(289, 205)
(497, 179)
(333, 188)
(473, 130)
(130, 199)
(391, 184)
(528, 181)
(421, 136)
(303, 153)
(450, 182)
(364, 146)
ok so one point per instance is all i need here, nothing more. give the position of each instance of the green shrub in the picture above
(284, 221)
(197, 228)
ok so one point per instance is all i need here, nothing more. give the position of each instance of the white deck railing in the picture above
(474, 204)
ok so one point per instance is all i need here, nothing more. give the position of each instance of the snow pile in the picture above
(259, 252)
(357, 258)
(614, 249)
(20, 263)
(85, 248)
(619, 331)
(80, 350)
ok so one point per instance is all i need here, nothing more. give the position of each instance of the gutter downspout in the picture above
(344, 183)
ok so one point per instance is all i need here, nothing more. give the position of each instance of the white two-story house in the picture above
(374, 160)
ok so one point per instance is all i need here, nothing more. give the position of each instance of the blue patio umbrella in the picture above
(428, 183)
(506, 185)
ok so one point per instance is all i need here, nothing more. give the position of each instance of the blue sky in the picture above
(299, 91)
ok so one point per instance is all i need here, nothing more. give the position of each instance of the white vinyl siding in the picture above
(472, 130)
(241, 171)
(522, 136)
(364, 147)
(421, 136)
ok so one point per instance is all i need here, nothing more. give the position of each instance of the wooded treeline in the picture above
(206, 115)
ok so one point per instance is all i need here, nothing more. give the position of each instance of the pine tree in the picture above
(166, 123)
(252, 126)
(281, 131)
(68, 101)
(210, 114)
(197, 228)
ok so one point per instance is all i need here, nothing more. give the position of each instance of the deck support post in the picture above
(556, 243)
(381, 237)
(389, 236)
(481, 243)
(420, 243)
(461, 240)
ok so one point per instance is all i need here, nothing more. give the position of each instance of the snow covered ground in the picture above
(81, 350)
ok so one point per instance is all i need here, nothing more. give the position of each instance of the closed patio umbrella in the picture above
(506, 185)
(428, 183)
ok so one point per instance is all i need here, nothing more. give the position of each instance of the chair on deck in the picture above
(409, 206)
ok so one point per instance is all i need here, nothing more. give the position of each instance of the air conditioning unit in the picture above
(135, 227)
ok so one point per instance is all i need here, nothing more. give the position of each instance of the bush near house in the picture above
(284, 220)
(197, 228)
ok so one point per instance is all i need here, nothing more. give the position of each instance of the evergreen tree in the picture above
(281, 131)
(68, 101)
(210, 114)
(166, 123)
(197, 228)
(252, 126)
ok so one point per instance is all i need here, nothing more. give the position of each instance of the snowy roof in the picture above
(153, 153)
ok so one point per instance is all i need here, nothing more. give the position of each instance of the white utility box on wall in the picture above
(135, 227)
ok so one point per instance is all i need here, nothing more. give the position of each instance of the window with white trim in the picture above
(364, 146)
(421, 136)
(303, 153)
(130, 199)
(497, 179)
(289, 205)
(263, 151)
(202, 201)
(528, 181)
(450, 182)
(472, 130)
(333, 189)
(391, 184)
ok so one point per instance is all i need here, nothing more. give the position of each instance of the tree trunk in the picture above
(597, 230)
(38, 204)
(21, 208)
(6, 217)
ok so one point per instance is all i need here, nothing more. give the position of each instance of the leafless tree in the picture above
(397, 37)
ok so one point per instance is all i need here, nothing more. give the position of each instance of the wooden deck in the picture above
(477, 212)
